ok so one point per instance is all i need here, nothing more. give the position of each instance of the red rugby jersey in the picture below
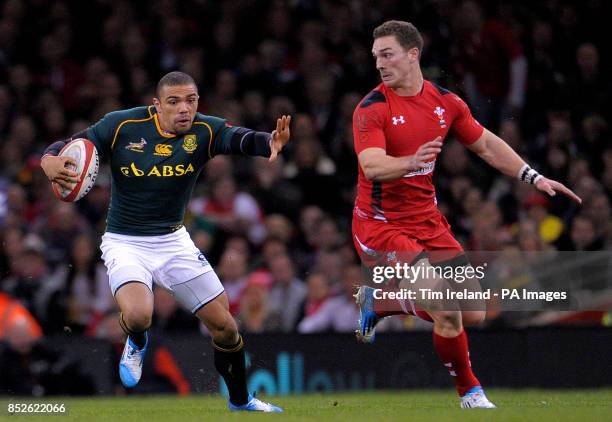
(400, 125)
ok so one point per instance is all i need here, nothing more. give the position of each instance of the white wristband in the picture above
(529, 175)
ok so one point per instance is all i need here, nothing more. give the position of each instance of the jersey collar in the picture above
(162, 132)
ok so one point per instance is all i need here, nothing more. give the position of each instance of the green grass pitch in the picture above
(435, 405)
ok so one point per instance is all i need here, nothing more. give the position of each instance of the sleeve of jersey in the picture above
(103, 133)
(240, 141)
(368, 127)
(465, 127)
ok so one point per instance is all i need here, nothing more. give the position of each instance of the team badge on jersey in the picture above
(163, 150)
(439, 111)
(189, 143)
(137, 146)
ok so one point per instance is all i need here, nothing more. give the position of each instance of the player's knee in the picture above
(137, 319)
(473, 318)
(227, 335)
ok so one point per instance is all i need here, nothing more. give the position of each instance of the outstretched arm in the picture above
(243, 141)
(501, 156)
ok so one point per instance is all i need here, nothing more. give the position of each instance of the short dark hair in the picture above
(173, 79)
(406, 34)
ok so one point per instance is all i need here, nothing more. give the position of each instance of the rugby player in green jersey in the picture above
(156, 154)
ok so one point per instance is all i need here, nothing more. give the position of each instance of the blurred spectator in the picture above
(254, 108)
(95, 204)
(271, 249)
(492, 65)
(329, 263)
(318, 292)
(230, 210)
(488, 234)
(80, 294)
(471, 203)
(583, 235)
(232, 271)
(546, 79)
(594, 133)
(255, 314)
(550, 227)
(59, 227)
(338, 313)
(29, 277)
(14, 313)
(169, 317)
(589, 88)
(273, 193)
(529, 238)
(313, 173)
(31, 368)
(599, 211)
(279, 227)
(309, 221)
(327, 237)
(287, 294)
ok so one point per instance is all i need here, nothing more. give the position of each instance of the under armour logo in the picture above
(398, 120)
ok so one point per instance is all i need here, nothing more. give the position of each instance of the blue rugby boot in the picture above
(130, 366)
(367, 317)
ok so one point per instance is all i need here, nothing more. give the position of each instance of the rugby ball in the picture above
(87, 161)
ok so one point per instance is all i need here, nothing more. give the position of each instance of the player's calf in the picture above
(228, 347)
(136, 303)
(447, 323)
(222, 327)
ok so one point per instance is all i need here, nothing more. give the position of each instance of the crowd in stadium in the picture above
(279, 234)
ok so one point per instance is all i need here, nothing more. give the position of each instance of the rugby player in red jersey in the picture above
(399, 129)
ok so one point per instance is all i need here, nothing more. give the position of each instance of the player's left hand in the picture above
(280, 136)
(551, 187)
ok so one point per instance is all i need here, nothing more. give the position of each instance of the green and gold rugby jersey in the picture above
(153, 172)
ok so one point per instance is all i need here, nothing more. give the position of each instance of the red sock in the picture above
(454, 354)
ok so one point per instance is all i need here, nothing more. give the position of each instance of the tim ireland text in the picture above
(468, 294)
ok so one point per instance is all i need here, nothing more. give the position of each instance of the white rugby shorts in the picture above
(171, 261)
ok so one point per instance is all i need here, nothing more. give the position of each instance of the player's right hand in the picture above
(56, 169)
(551, 187)
(425, 154)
